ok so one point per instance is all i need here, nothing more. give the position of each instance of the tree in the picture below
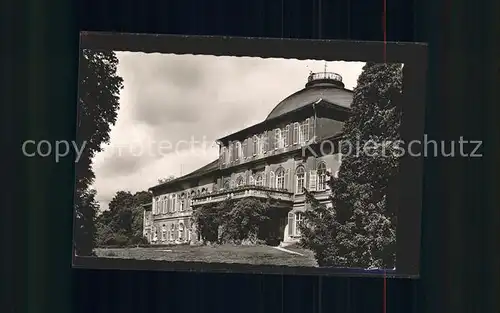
(98, 104)
(84, 231)
(167, 179)
(123, 222)
(209, 219)
(319, 232)
(244, 220)
(140, 198)
(363, 230)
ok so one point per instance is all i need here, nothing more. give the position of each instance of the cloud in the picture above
(174, 107)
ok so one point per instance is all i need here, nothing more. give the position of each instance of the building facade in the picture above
(292, 149)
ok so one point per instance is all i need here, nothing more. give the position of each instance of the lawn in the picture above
(256, 255)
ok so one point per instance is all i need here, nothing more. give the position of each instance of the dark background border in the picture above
(414, 57)
(460, 222)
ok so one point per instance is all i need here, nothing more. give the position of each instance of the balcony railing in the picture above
(242, 192)
(324, 75)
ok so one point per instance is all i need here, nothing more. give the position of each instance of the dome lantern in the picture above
(324, 79)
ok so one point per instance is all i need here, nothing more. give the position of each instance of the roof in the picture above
(210, 167)
(328, 89)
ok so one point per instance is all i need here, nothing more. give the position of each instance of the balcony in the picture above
(243, 192)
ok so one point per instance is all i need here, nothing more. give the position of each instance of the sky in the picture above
(174, 107)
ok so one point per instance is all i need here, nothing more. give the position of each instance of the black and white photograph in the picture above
(248, 161)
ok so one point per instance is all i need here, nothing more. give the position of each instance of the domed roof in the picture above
(323, 85)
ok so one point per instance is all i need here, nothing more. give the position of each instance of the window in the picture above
(163, 233)
(155, 235)
(255, 145)
(224, 155)
(298, 220)
(278, 140)
(272, 180)
(174, 203)
(181, 232)
(258, 180)
(240, 181)
(300, 178)
(244, 149)
(262, 144)
(280, 178)
(304, 132)
(226, 185)
(296, 131)
(164, 200)
(251, 180)
(321, 172)
(239, 151)
(230, 152)
(181, 202)
(172, 231)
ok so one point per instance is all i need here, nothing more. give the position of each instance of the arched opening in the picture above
(259, 180)
(280, 178)
(321, 172)
(181, 232)
(182, 202)
(300, 179)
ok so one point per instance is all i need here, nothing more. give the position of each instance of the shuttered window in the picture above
(296, 131)
(312, 180)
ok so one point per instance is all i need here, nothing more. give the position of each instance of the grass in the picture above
(255, 255)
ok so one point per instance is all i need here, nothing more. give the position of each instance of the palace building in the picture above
(292, 149)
